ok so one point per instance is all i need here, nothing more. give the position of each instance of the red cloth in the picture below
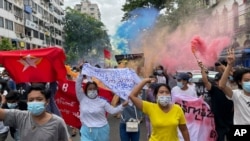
(107, 54)
(39, 65)
(68, 104)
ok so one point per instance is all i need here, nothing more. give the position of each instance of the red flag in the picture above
(39, 65)
(107, 54)
(68, 104)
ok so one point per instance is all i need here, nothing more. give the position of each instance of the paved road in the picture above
(114, 131)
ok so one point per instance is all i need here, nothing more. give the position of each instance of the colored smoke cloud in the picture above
(127, 33)
(172, 50)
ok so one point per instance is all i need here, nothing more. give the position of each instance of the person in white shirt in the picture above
(182, 86)
(190, 81)
(161, 75)
(95, 126)
(240, 96)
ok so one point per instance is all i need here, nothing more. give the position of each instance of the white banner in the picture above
(120, 80)
(199, 117)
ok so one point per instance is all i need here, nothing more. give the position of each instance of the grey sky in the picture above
(111, 13)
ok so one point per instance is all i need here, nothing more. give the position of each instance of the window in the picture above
(8, 24)
(34, 7)
(1, 3)
(28, 32)
(27, 2)
(1, 22)
(35, 19)
(92, 9)
(19, 28)
(27, 16)
(18, 12)
(27, 46)
(41, 36)
(40, 9)
(36, 34)
(7, 5)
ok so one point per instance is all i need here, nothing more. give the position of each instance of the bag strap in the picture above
(135, 115)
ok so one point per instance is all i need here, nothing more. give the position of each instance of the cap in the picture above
(217, 76)
(182, 76)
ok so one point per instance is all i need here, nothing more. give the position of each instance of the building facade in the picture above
(30, 24)
(89, 8)
(234, 15)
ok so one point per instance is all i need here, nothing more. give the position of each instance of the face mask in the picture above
(231, 78)
(246, 86)
(190, 80)
(164, 100)
(92, 94)
(6, 77)
(159, 71)
(179, 84)
(36, 108)
(12, 105)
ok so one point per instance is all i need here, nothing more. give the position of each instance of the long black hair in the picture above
(158, 87)
(238, 74)
(87, 85)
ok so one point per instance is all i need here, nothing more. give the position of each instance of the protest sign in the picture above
(199, 117)
(120, 81)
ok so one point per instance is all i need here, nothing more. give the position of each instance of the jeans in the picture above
(128, 136)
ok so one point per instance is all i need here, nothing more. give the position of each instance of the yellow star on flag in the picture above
(29, 61)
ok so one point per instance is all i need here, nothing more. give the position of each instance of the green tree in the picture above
(83, 34)
(130, 5)
(176, 11)
(5, 44)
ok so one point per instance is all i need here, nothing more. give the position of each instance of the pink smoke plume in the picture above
(199, 45)
(209, 54)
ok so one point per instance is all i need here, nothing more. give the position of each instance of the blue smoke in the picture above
(141, 19)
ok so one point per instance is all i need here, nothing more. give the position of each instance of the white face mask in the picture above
(164, 100)
(159, 71)
(92, 94)
(6, 77)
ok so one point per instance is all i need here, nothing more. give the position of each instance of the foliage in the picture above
(176, 11)
(5, 44)
(83, 34)
(130, 5)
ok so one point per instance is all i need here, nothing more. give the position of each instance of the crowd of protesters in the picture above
(29, 112)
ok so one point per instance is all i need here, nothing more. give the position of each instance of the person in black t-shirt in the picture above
(13, 102)
(221, 107)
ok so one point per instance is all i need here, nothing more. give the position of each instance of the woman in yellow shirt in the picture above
(165, 116)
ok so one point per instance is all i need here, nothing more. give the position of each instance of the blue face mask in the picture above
(246, 86)
(179, 84)
(231, 78)
(36, 108)
(12, 105)
(190, 80)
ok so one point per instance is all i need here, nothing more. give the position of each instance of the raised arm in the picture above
(78, 87)
(207, 84)
(135, 92)
(222, 83)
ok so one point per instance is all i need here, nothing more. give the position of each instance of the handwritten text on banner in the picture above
(121, 81)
